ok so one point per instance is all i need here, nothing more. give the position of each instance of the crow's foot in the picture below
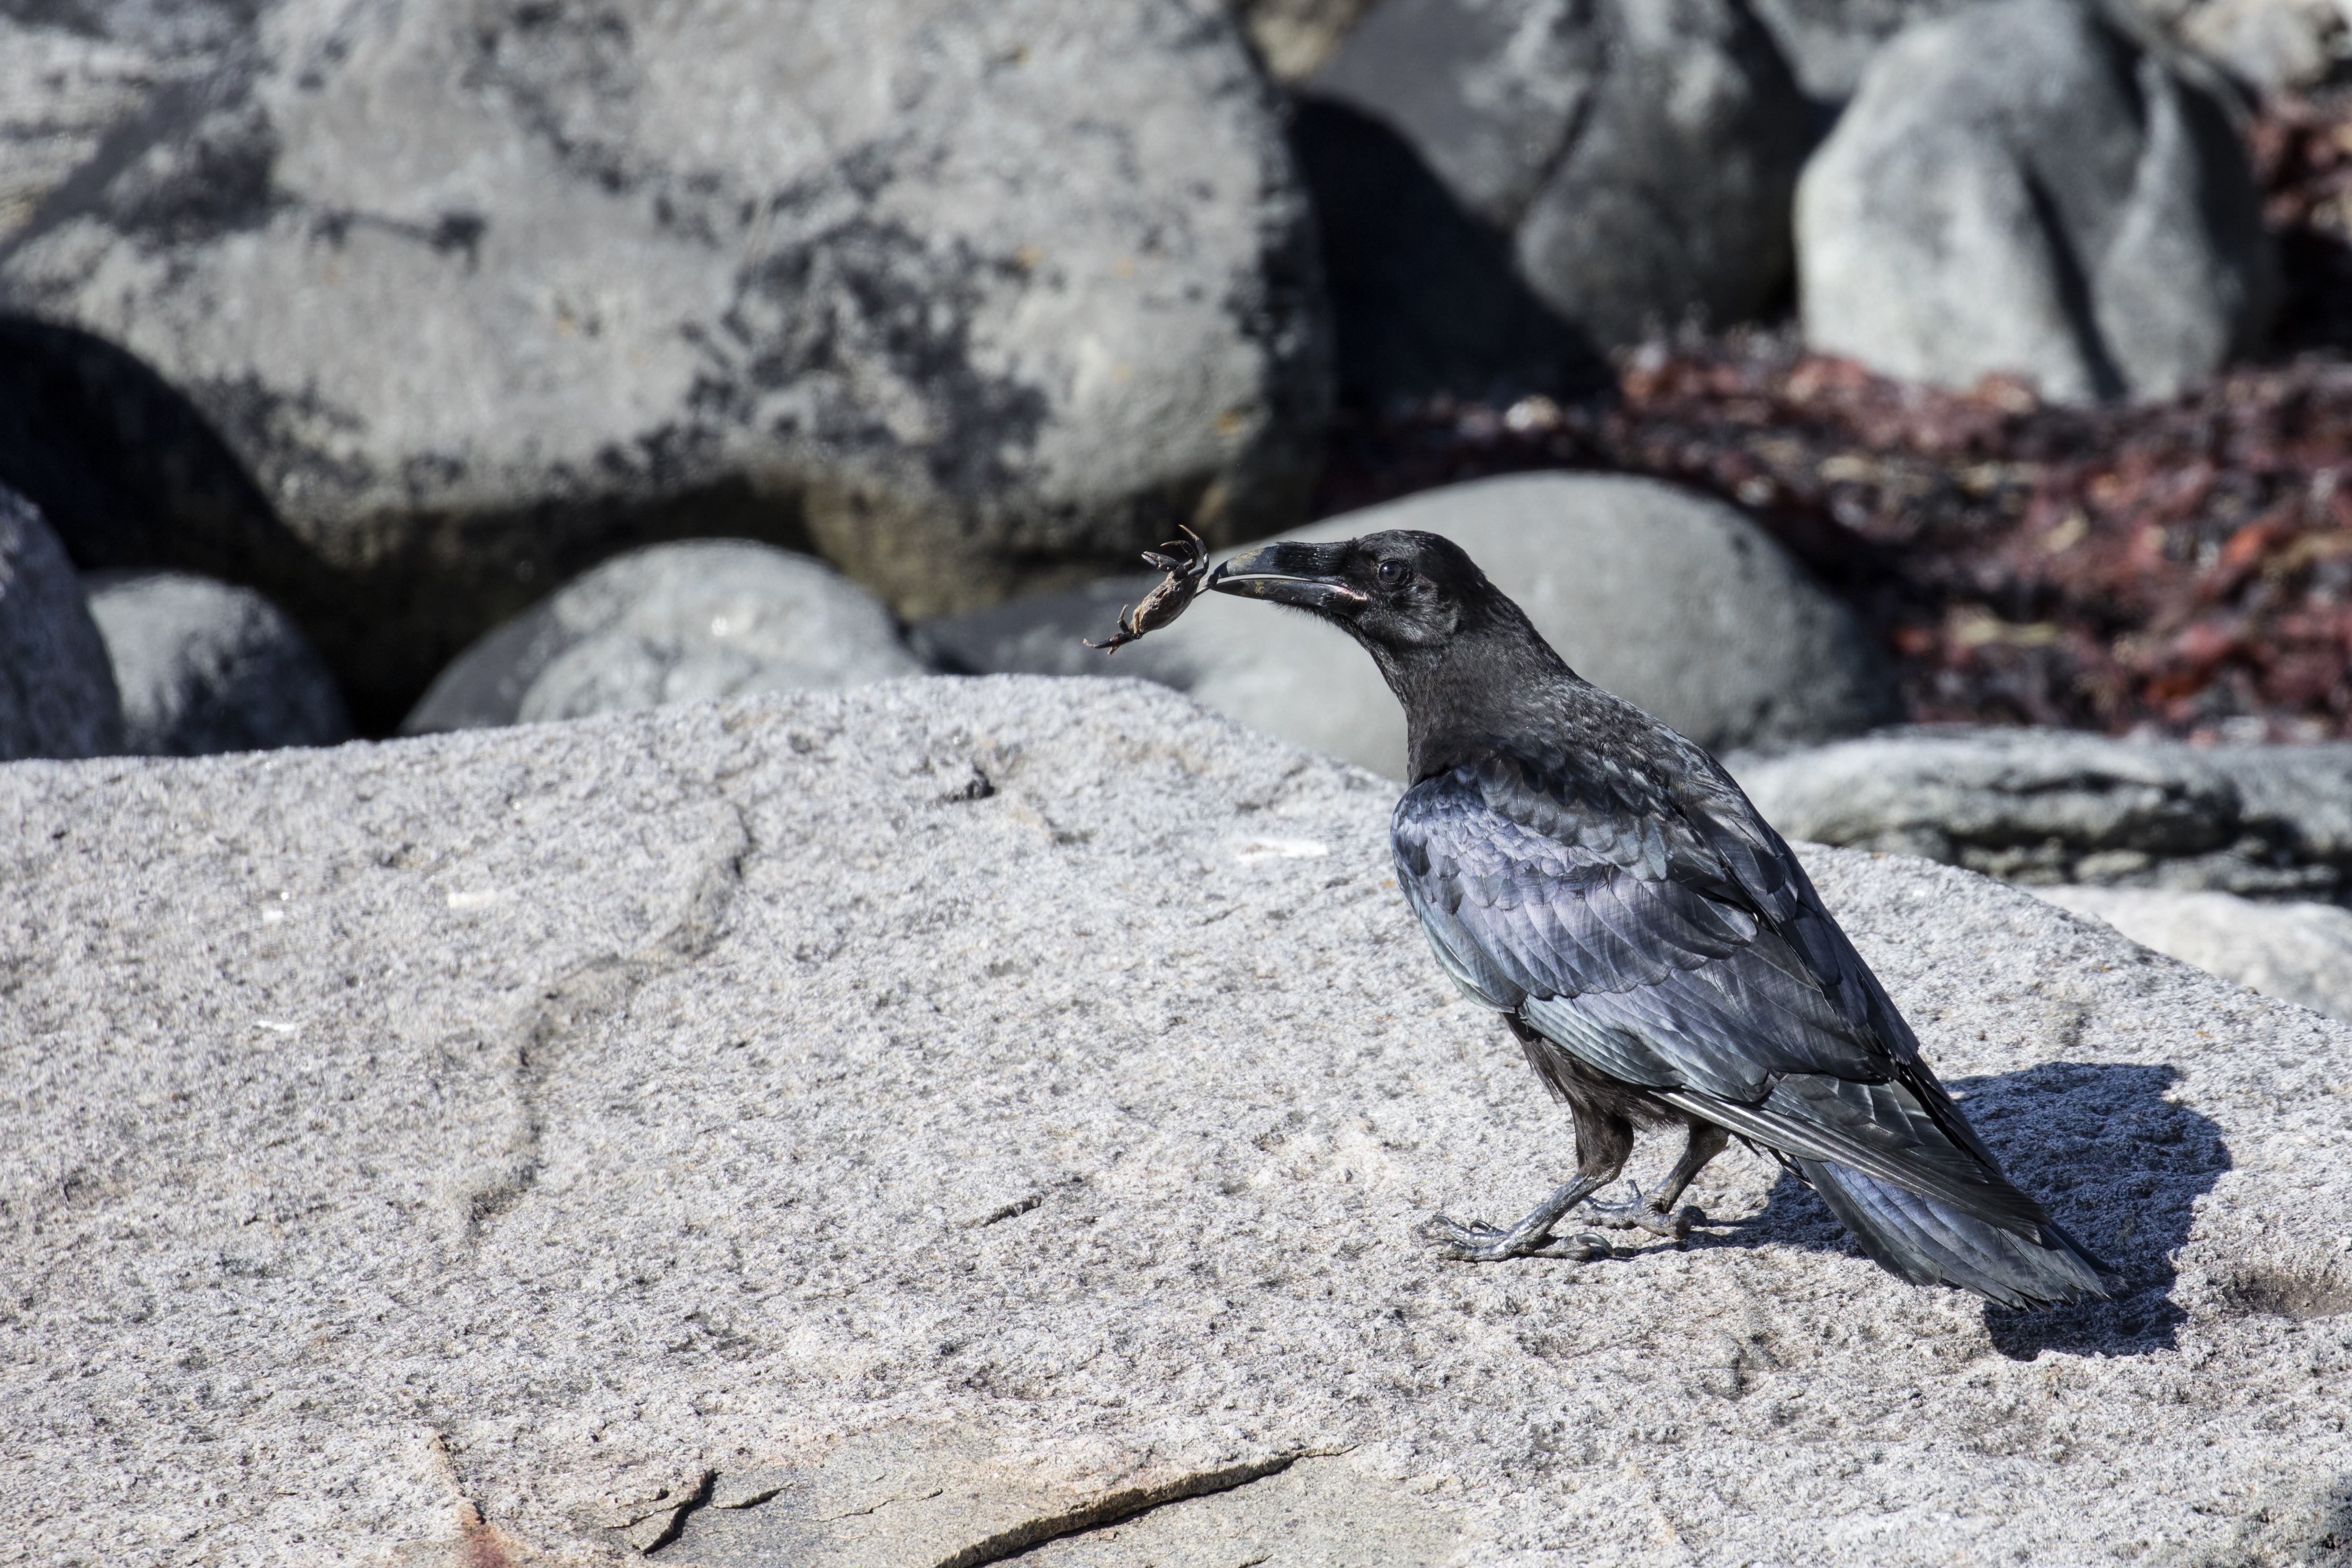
(1634, 1214)
(1473, 1243)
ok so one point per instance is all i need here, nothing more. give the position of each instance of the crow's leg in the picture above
(1657, 1215)
(1603, 1144)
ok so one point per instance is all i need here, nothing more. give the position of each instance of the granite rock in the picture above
(478, 292)
(2301, 952)
(56, 694)
(1671, 599)
(1638, 154)
(915, 1123)
(205, 667)
(679, 623)
(2021, 189)
(2047, 807)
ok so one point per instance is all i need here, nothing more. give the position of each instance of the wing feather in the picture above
(1665, 934)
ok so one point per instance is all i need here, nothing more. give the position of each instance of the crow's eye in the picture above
(1392, 573)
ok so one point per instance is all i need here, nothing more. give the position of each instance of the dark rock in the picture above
(2021, 189)
(478, 292)
(205, 667)
(2048, 807)
(56, 696)
(1673, 600)
(680, 623)
(1425, 296)
(1639, 153)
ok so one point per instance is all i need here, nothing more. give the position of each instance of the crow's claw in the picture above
(1634, 1214)
(1478, 1242)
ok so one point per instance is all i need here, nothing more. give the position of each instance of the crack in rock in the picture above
(593, 991)
(1115, 1508)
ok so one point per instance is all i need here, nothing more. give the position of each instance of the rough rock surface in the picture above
(480, 291)
(2301, 952)
(1640, 153)
(205, 667)
(1673, 601)
(2020, 190)
(681, 623)
(893, 1126)
(71, 71)
(56, 695)
(2046, 807)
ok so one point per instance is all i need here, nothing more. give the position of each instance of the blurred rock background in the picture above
(389, 368)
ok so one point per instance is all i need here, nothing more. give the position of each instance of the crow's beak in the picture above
(1307, 576)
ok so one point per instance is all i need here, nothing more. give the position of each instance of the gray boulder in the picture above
(682, 623)
(1829, 43)
(2021, 190)
(2301, 952)
(969, 298)
(1673, 600)
(205, 667)
(2048, 807)
(2263, 45)
(2269, 46)
(1638, 154)
(57, 695)
(733, 1133)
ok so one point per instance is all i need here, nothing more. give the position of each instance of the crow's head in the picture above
(1396, 593)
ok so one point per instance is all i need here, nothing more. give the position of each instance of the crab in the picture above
(1161, 606)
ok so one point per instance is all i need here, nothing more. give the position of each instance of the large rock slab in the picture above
(1674, 601)
(204, 666)
(971, 299)
(682, 623)
(2019, 189)
(901, 1126)
(1640, 153)
(57, 696)
(2048, 806)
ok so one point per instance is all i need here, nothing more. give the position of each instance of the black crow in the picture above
(1601, 882)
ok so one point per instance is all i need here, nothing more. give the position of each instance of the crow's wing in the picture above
(1648, 922)
(1698, 951)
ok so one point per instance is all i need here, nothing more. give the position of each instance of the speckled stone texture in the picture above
(2300, 951)
(907, 1124)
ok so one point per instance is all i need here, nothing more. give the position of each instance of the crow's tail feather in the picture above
(1925, 1242)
